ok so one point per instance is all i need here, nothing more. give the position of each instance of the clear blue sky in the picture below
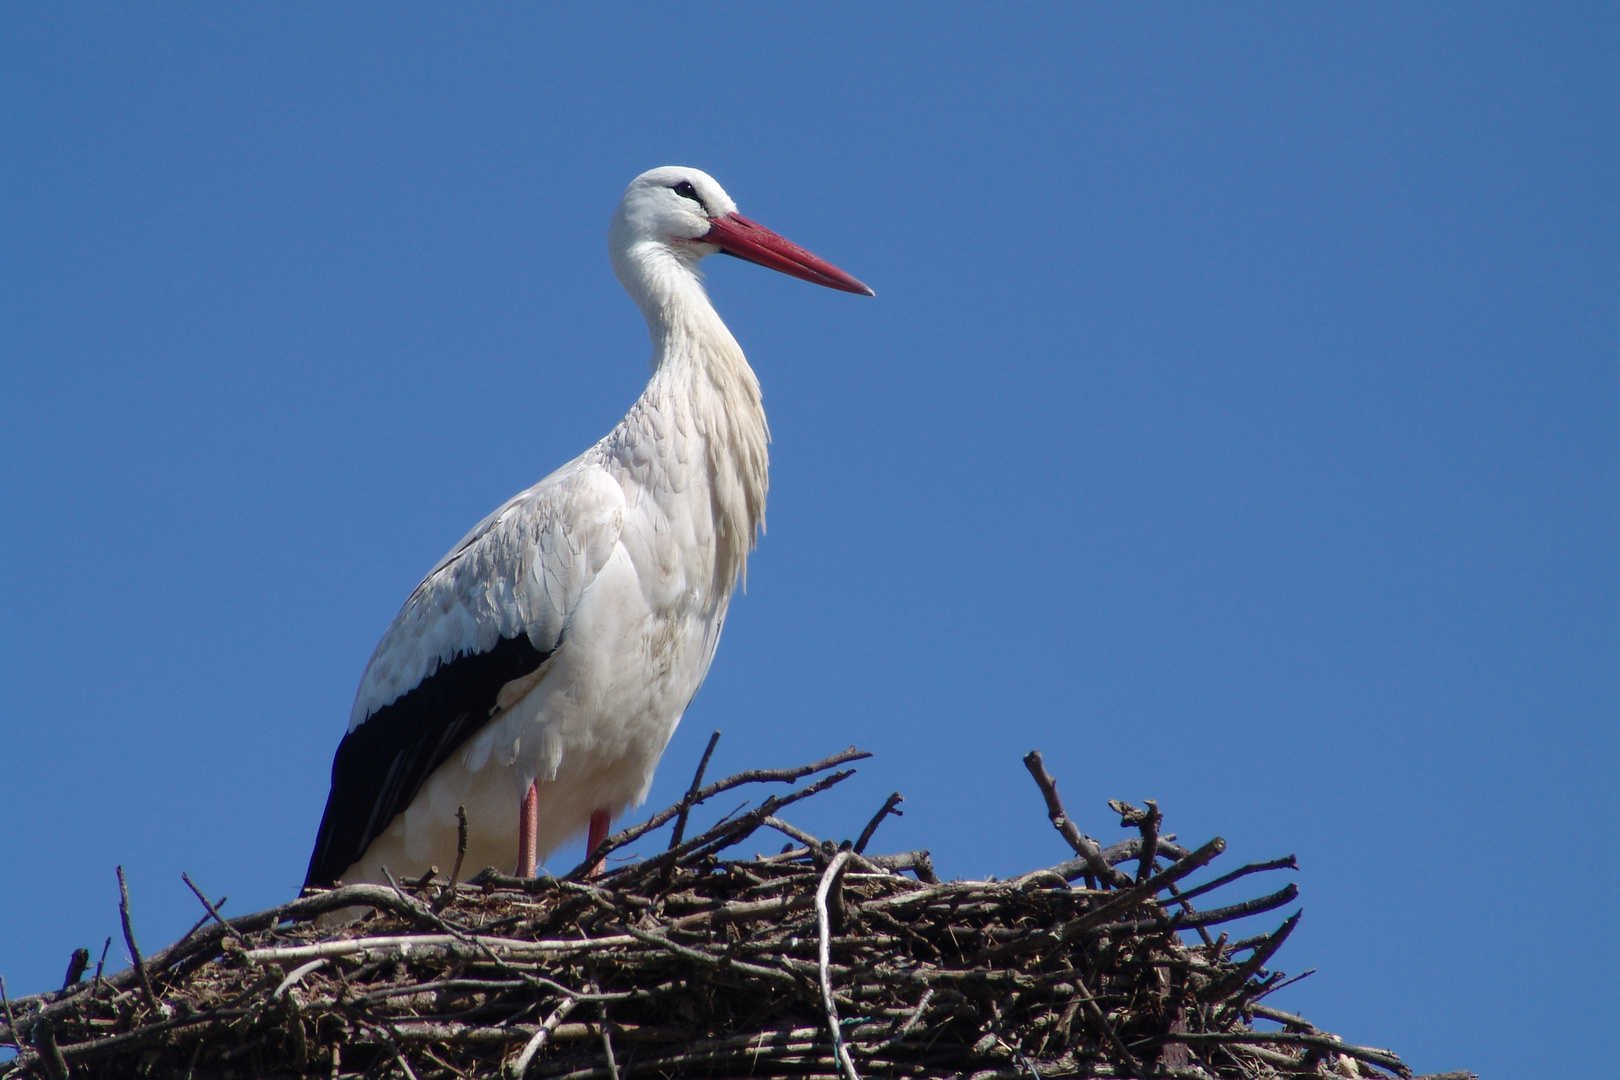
(1235, 422)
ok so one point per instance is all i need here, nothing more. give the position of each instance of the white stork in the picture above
(537, 673)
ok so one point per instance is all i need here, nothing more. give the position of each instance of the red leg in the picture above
(599, 830)
(528, 833)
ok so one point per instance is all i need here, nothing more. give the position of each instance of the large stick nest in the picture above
(819, 961)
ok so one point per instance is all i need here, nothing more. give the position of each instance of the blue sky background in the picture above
(1235, 422)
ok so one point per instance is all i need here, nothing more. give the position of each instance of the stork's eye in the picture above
(686, 191)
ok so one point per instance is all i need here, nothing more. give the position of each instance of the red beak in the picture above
(736, 235)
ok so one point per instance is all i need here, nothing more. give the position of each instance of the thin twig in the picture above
(1256, 961)
(1274, 987)
(781, 978)
(296, 976)
(212, 910)
(716, 838)
(399, 1056)
(1147, 822)
(102, 963)
(909, 1022)
(1370, 1054)
(449, 892)
(134, 950)
(520, 1067)
(752, 776)
(1292, 1022)
(11, 1020)
(1083, 845)
(690, 798)
(1150, 840)
(794, 831)
(1285, 863)
(204, 921)
(1094, 1011)
(602, 1018)
(889, 805)
(435, 945)
(824, 960)
(1181, 898)
(1211, 917)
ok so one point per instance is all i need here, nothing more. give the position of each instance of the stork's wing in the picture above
(492, 611)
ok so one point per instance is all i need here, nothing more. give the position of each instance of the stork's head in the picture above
(686, 214)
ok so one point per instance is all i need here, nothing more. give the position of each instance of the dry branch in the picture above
(819, 961)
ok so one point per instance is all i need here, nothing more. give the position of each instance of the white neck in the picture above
(700, 374)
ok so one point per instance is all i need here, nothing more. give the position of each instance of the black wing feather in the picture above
(382, 764)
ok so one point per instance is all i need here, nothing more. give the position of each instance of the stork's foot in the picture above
(528, 833)
(599, 831)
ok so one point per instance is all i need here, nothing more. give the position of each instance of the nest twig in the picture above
(817, 961)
